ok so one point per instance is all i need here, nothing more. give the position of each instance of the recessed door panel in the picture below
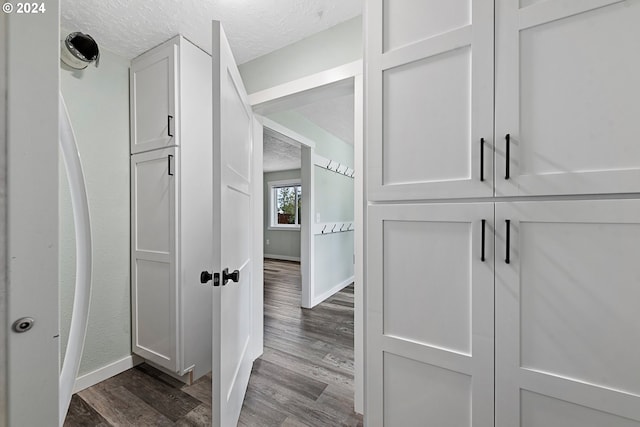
(152, 204)
(417, 394)
(544, 411)
(427, 120)
(427, 282)
(576, 288)
(155, 296)
(238, 153)
(408, 21)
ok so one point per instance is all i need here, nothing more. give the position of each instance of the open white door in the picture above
(232, 235)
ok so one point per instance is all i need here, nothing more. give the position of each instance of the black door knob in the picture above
(205, 276)
(226, 276)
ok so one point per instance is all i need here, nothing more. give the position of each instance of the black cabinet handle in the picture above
(169, 119)
(508, 155)
(169, 157)
(508, 257)
(484, 223)
(481, 159)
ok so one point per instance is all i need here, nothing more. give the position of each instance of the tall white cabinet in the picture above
(503, 213)
(171, 207)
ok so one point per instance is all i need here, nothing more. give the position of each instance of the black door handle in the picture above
(169, 157)
(507, 258)
(508, 156)
(226, 276)
(482, 160)
(484, 223)
(205, 276)
(169, 119)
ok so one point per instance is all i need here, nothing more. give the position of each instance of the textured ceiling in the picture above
(253, 27)
(335, 115)
(280, 153)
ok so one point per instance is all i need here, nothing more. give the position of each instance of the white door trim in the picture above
(277, 127)
(323, 78)
(335, 76)
(32, 215)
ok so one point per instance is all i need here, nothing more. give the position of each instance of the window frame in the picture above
(273, 186)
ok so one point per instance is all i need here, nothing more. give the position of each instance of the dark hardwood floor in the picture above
(304, 377)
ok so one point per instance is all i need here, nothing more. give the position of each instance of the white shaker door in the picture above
(429, 91)
(233, 309)
(154, 295)
(153, 99)
(567, 85)
(429, 315)
(567, 318)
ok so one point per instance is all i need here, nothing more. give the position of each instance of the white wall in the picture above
(284, 244)
(98, 104)
(331, 48)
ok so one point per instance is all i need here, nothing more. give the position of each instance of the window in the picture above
(286, 204)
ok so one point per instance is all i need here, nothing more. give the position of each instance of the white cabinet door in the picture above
(567, 85)
(430, 315)
(233, 308)
(567, 318)
(429, 77)
(154, 295)
(153, 99)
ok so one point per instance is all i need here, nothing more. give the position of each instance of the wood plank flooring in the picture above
(304, 377)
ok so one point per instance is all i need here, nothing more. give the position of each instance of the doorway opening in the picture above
(323, 113)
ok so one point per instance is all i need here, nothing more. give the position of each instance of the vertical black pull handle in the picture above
(169, 119)
(484, 223)
(169, 157)
(508, 155)
(482, 160)
(508, 256)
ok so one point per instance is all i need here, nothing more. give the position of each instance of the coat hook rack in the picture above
(339, 168)
(332, 228)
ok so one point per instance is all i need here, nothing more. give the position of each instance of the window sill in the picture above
(284, 228)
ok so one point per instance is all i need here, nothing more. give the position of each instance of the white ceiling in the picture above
(335, 115)
(280, 153)
(253, 27)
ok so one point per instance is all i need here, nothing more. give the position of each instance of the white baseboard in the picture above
(282, 257)
(340, 286)
(106, 372)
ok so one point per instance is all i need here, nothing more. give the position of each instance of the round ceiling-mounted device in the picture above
(79, 50)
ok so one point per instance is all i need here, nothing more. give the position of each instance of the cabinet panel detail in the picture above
(152, 205)
(545, 411)
(427, 127)
(155, 298)
(427, 283)
(408, 21)
(415, 392)
(579, 296)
